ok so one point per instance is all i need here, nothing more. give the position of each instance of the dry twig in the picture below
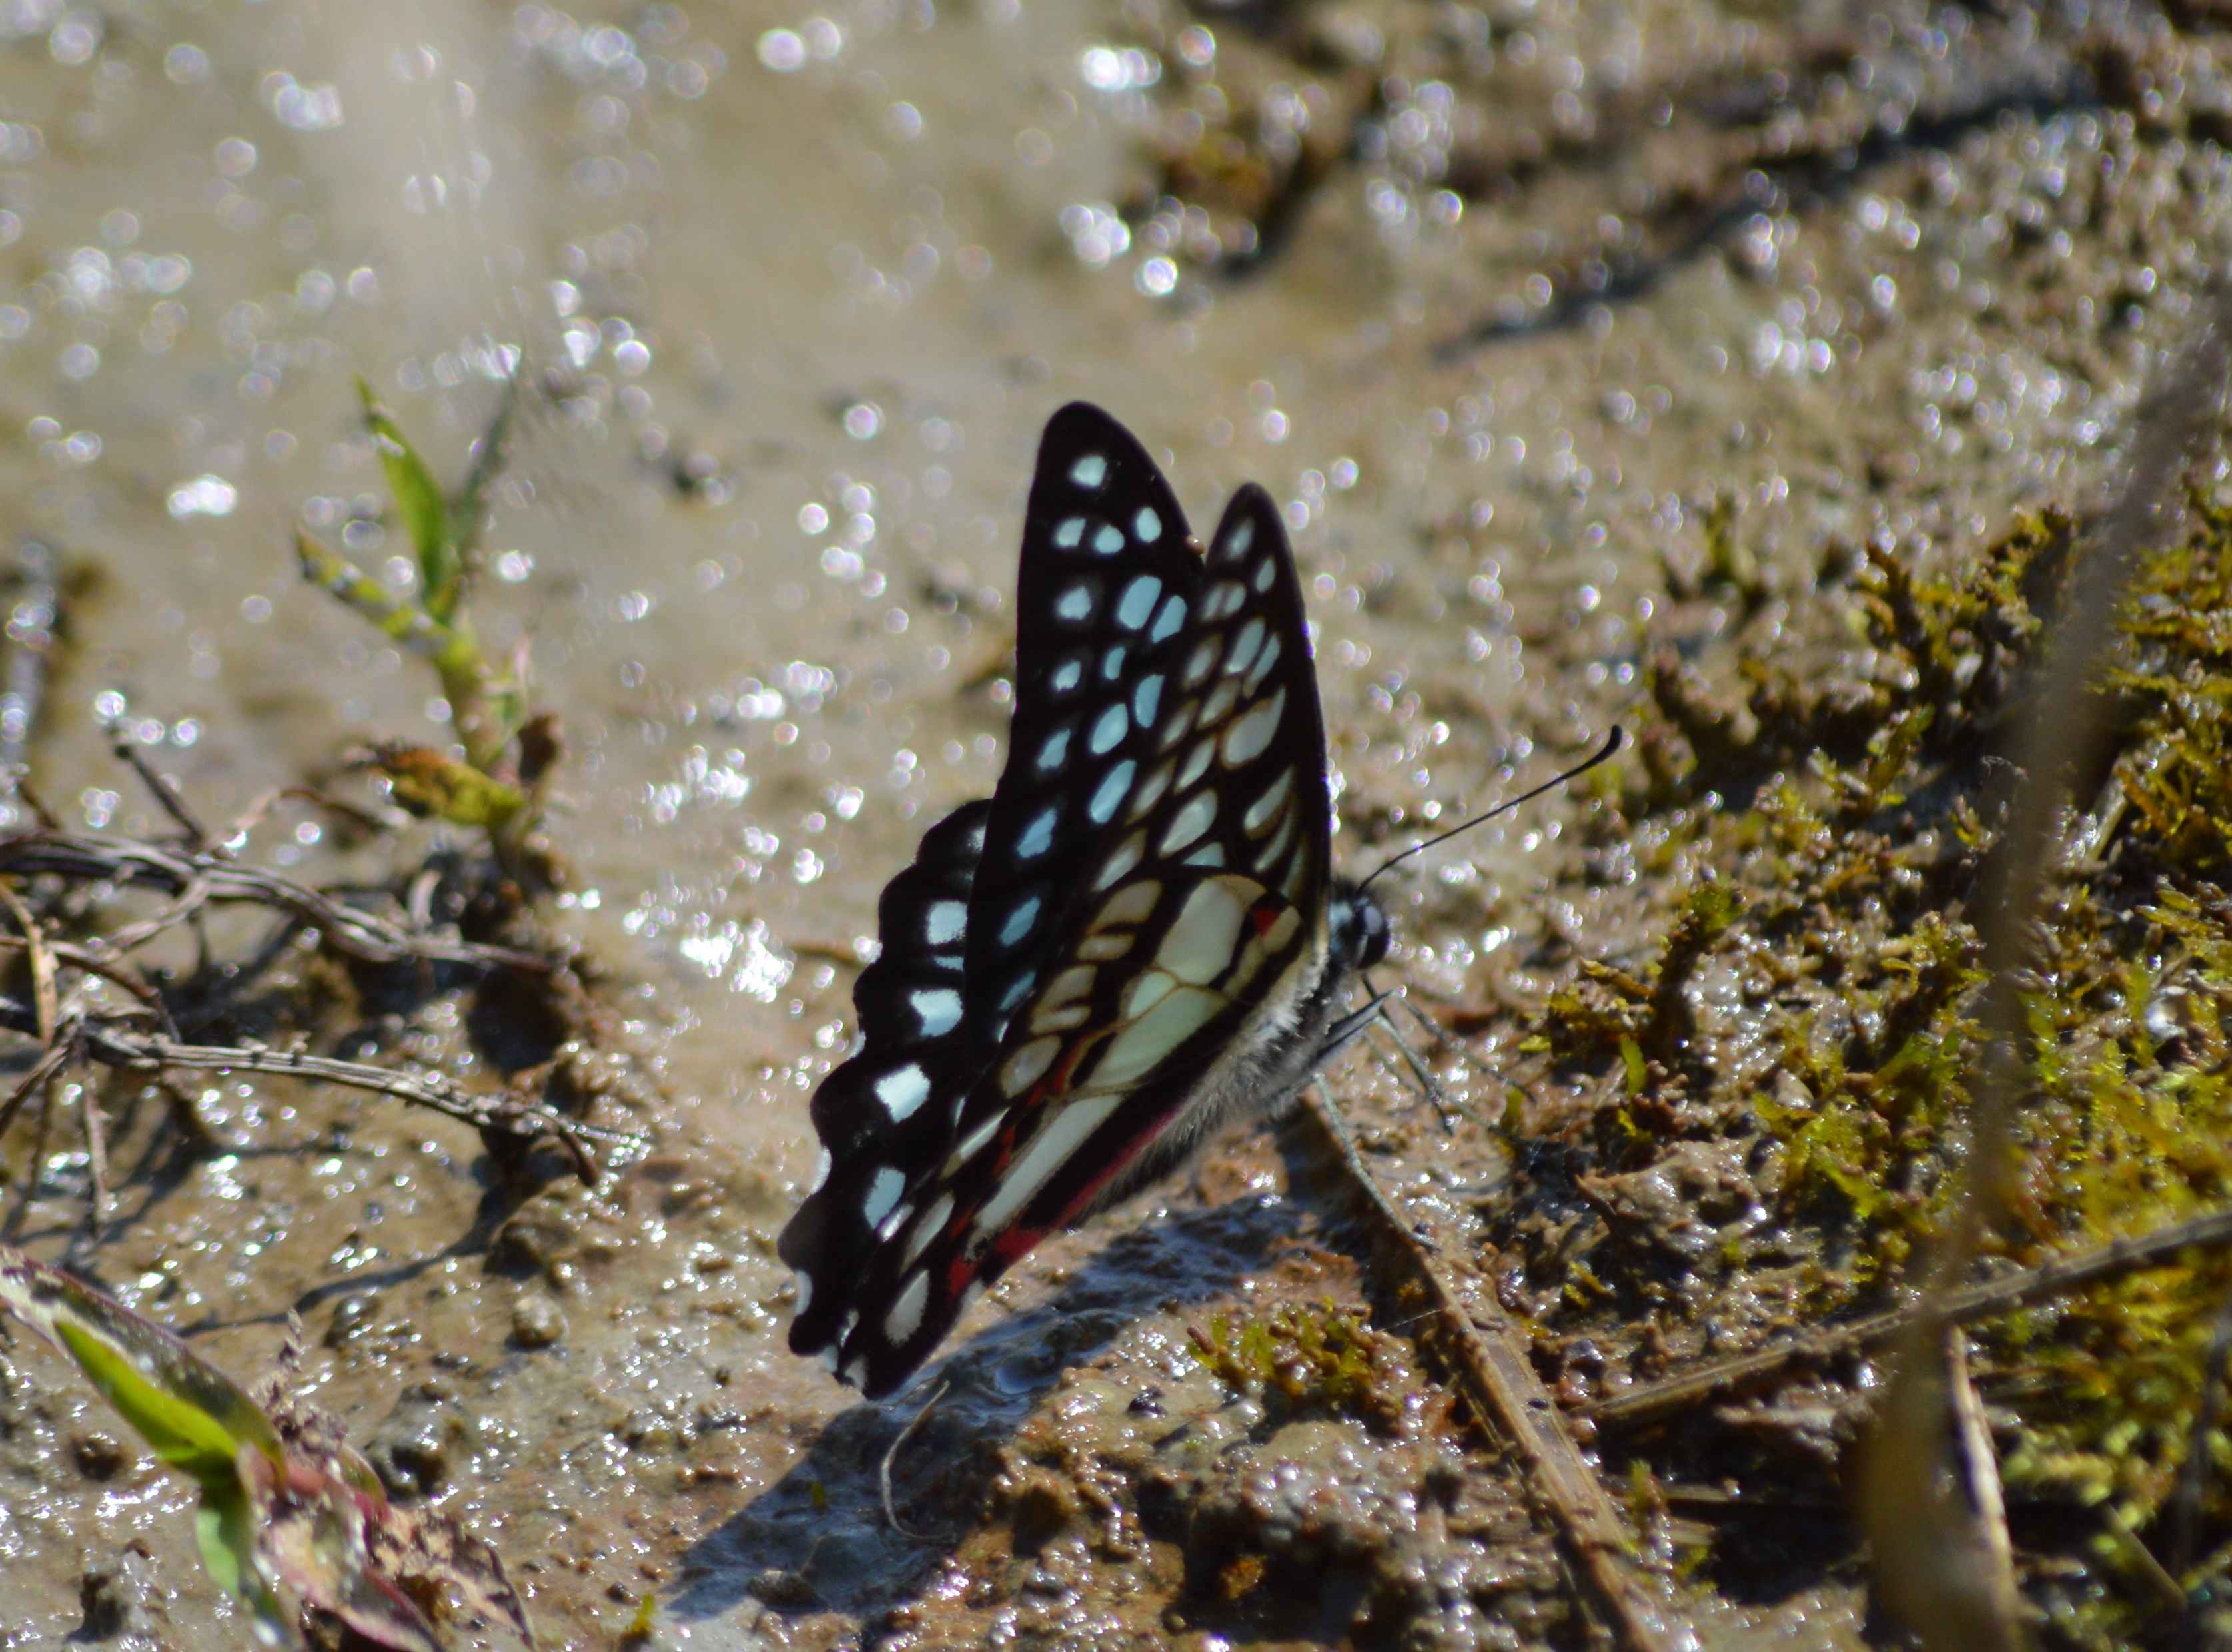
(1916, 1555)
(196, 879)
(1493, 1365)
(1655, 1401)
(111, 1045)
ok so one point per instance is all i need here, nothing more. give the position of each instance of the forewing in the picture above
(1106, 584)
(885, 1115)
(1232, 774)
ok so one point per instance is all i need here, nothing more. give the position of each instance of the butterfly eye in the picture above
(1357, 926)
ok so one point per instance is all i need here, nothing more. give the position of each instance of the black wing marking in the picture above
(1234, 773)
(1228, 775)
(888, 1113)
(1190, 890)
(1107, 577)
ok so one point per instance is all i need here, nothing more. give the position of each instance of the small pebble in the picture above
(537, 1321)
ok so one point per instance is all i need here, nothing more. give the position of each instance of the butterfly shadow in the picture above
(820, 1541)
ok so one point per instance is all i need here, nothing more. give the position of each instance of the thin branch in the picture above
(1493, 1365)
(1963, 1305)
(165, 790)
(198, 877)
(48, 1063)
(96, 1151)
(884, 1469)
(111, 1045)
(506, 1114)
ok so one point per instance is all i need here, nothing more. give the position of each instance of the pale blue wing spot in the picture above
(1113, 787)
(1264, 661)
(1167, 623)
(1112, 663)
(1138, 601)
(1067, 676)
(905, 1317)
(1052, 750)
(1147, 700)
(1077, 603)
(1036, 837)
(1089, 471)
(1189, 822)
(938, 1010)
(1109, 541)
(1243, 537)
(1266, 570)
(1148, 525)
(883, 1195)
(1108, 730)
(902, 1089)
(1018, 989)
(1242, 654)
(1068, 532)
(1020, 919)
(941, 924)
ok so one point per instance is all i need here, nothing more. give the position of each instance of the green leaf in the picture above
(225, 1531)
(431, 783)
(1639, 1071)
(193, 1415)
(289, 1514)
(425, 514)
(452, 648)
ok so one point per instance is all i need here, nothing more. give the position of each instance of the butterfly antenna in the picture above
(1613, 742)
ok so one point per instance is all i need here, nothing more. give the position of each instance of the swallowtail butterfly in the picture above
(1137, 936)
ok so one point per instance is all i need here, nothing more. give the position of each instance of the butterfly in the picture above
(1138, 936)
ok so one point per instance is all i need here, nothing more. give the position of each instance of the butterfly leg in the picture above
(1443, 1039)
(1360, 1172)
(1449, 1109)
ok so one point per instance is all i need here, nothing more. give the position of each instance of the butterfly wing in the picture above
(888, 1112)
(1108, 582)
(1103, 540)
(1159, 891)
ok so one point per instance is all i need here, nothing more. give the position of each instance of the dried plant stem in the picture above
(1493, 1366)
(198, 879)
(1981, 1465)
(113, 1046)
(1966, 1303)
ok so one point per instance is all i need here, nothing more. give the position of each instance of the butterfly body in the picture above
(1135, 939)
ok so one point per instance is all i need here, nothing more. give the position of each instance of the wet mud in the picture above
(1743, 375)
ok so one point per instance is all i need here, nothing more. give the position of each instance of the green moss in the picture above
(1321, 1359)
(1828, 799)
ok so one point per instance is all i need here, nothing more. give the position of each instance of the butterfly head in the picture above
(1357, 927)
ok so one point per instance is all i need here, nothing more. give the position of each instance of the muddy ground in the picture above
(1589, 347)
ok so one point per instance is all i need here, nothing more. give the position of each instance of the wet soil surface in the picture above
(1513, 308)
